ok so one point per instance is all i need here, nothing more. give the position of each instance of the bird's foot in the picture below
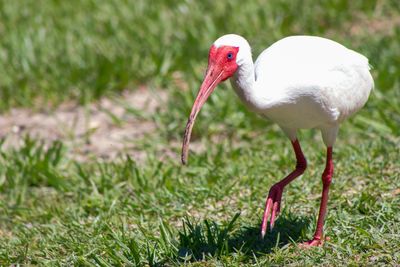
(315, 242)
(272, 207)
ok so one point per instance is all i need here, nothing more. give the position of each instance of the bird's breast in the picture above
(301, 112)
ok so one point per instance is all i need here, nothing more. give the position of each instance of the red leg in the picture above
(318, 239)
(273, 202)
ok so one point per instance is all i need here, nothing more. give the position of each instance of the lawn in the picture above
(67, 200)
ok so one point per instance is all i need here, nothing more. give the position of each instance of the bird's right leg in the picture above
(273, 202)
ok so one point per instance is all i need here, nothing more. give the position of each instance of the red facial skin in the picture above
(218, 60)
(221, 65)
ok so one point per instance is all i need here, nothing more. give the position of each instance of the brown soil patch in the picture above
(365, 26)
(103, 129)
(381, 25)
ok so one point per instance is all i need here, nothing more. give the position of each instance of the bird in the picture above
(298, 82)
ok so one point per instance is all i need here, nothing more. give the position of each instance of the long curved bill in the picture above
(212, 79)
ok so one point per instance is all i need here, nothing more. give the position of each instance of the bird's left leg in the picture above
(273, 203)
(318, 239)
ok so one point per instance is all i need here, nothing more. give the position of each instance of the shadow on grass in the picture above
(198, 241)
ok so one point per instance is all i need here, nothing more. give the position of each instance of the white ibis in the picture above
(299, 82)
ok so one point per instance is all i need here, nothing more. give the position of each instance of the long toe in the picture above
(272, 208)
(316, 242)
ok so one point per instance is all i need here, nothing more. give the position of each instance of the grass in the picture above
(56, 210)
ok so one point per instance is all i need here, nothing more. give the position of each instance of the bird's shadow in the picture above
(199, 240)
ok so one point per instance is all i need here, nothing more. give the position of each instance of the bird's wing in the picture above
(337, 77)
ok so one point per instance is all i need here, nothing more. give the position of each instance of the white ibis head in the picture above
(223, 61)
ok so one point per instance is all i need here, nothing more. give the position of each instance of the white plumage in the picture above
(302, 82)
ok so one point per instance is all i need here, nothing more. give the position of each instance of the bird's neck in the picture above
(244, 84)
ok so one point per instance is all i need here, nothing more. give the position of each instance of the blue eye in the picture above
(230, 55)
